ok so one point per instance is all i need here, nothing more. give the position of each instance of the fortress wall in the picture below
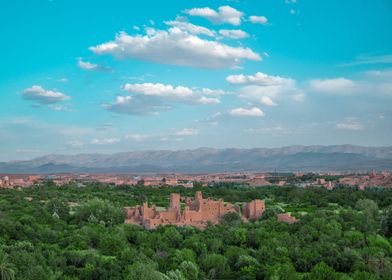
(197, 212)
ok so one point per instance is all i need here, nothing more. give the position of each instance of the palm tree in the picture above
(6, 268)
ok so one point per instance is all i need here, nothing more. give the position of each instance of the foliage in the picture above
(78, 233)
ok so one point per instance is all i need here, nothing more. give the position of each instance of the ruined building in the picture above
(196, 212)
(286, 218)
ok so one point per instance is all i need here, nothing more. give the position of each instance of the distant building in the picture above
(286, 218)
(321, 181)
(5, 182)
(188, 184)
(171, 181)
(197, 212)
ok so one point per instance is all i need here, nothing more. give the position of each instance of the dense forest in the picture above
(74, 232)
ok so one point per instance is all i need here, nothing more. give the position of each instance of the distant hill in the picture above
(291, 158)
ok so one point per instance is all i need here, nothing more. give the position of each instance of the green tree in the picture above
(58, 207)
(145, 271)
(215, 266)
(368, 217)
(7, 271)
(182, 255)
(190, 270)
(322, 271)
(386, 222)
(231, 219)
(102, 210)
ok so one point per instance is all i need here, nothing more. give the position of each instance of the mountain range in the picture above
(207, 160)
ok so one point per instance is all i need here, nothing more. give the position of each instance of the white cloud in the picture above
(211, 121)
(137, 137)
(88, 66)
(191, 28)
(63, 80)
(59, 108)
(225, 14)
(136, 105)
(179, 93)
(159, 90)
(370, 82)
(75, 144)
(258, 19)
(378, 74)
(43, 96)
(350, 125)
(260, 79)
(299, 96)
(275, 130)
(267, 101)
(233, 33)
(365, 59)
(85, 65)
(187, 132)
(243, 112)
(263, 88)
(213, 92)
(104, 141)
(150, 99)
(176, 46)
(208, 100)
(338, 85)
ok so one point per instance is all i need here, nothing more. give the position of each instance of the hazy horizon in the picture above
(185, 149)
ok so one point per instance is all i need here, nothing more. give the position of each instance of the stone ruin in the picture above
(197, 212)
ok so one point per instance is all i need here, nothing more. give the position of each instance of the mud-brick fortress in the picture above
(197, 212)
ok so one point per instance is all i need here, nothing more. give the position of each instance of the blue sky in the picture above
(110, 76)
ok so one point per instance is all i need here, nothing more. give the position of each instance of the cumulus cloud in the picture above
(258, 19)
(243, 112)
(40, 95)
(233, 33)
(136, 105)
(225, 14)
(85, 65)
(338, 85)
(299, 96)
(260, 79)
(75, 144)
(350, 125)
(187, 132)
(159, 90)
(57, 107)
(213, 92)
(267, 101)
(150, 99)
(104, 141)
(208, 100)
(88, 66)
(274, 130)
(369, 82)
(191, 28)
(263, 88)
(176, 46)
(137, 137)
(179, 93)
